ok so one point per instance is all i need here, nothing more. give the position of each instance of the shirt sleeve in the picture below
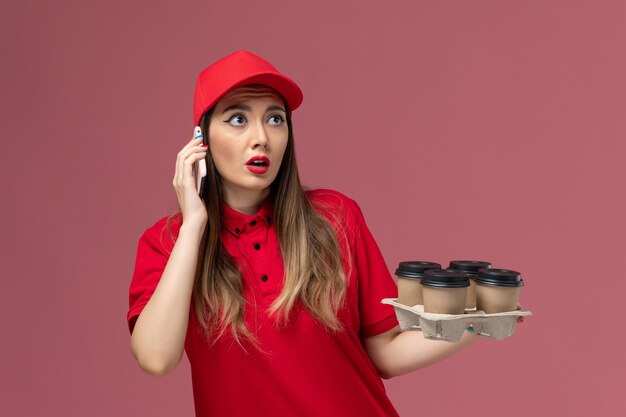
(374, 280)
(153, 252)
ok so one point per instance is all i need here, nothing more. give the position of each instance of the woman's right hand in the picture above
(191, 205)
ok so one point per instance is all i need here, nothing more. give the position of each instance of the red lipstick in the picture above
(258, 164)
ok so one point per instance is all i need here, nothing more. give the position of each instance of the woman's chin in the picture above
(257, 185)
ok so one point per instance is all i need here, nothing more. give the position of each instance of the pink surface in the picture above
(481, 130)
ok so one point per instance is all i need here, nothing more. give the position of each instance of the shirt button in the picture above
(253, 222)
(257, 246)
(269, 221)
(263, 278)
(237, 230)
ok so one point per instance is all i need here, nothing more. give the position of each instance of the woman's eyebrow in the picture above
(245, 107)
(237, 107)
(275, 107)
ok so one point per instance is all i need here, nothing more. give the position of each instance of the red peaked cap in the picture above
(235, 70)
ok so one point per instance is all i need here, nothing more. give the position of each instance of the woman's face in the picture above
(248, 122)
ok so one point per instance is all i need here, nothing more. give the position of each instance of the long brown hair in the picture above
(309, 246)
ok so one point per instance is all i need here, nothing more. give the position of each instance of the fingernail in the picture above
(203, 153)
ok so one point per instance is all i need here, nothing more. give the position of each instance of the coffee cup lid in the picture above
(415, 269)
(499, 277)
(470, 275)
(470, 266)
(445, 278)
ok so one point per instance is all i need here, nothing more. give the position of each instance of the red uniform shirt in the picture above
(308, 371)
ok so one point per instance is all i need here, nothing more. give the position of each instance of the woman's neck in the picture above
(246, 202)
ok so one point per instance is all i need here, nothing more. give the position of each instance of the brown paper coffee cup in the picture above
(470, 301)
(498, 290)
(444, 300)
(492, 299)
(471, 268)
(445, 291)
(409, 291)
(410, 274)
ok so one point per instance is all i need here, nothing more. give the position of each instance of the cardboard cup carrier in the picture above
(443, 315)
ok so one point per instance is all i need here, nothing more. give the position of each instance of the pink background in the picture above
(489, 130)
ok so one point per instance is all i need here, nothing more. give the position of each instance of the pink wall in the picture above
(466, 129)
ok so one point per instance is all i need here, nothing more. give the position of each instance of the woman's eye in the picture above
(237, 120)
(276, 120)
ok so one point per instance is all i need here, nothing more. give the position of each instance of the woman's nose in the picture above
(260, 136)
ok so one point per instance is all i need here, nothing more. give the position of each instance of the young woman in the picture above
(273, 290)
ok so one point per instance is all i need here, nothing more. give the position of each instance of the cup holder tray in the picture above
(450, 327)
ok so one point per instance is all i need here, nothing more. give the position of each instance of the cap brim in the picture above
(285, 86)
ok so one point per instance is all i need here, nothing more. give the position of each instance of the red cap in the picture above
(235, 70)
